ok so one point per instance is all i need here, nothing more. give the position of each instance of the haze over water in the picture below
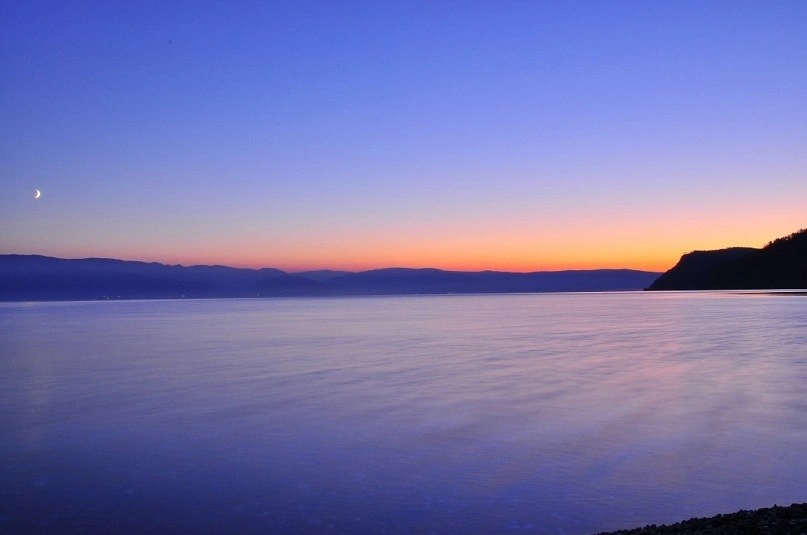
(555, 413)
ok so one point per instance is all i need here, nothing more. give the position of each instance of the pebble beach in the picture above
(777, 520)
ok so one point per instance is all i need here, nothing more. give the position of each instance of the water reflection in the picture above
(558, 413)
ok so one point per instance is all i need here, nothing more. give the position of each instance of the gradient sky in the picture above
(353, 135)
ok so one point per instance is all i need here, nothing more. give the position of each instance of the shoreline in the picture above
(790, 519)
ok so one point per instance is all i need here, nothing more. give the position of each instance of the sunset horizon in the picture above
(518, 137)
(500, 266)
(572, 257)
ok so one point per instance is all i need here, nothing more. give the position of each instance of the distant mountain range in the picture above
(782, 264)
(37, 278)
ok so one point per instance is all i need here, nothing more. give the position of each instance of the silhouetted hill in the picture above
(321, 274)
(34, 277)
(289, 285)
(694, 269)
(782, 264)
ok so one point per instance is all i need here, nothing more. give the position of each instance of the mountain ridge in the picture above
(781, 264)
(39, 277)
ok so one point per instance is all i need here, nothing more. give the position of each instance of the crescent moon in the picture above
(37, 194)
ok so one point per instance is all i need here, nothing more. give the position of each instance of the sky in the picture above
(469, 135)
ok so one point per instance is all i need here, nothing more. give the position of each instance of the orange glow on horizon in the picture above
(450, 262)
(654, 246)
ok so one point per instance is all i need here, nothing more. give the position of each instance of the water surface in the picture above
(547, 413)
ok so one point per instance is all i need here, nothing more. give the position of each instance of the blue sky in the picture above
(478, 135)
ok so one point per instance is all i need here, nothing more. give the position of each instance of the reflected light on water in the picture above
(568, 413)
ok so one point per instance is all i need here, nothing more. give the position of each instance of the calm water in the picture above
(556, 413)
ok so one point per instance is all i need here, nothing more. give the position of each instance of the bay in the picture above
(540, 413)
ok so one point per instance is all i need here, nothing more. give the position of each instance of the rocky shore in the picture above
(776, 520)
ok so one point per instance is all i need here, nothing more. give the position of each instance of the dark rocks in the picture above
(776, 520)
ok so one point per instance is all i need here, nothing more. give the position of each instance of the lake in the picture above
(540, 413)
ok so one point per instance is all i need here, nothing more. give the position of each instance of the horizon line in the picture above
(307, 270)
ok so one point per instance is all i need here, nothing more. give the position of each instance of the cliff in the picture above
(782, 264)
